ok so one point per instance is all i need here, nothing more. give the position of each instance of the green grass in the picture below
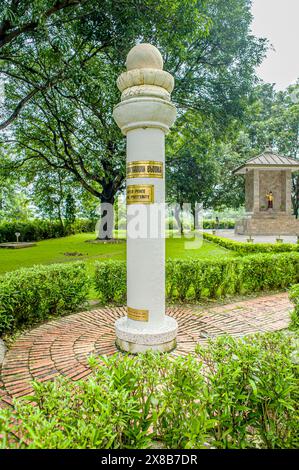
(52, 251)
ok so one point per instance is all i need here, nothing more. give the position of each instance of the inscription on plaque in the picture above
(140, 194)
(145, 169)
(137, 315)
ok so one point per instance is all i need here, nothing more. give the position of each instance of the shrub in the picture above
(30, 295)
(249, 248)
(252, 391)
(195, 279)
(222, 224)
(110, 280)
(231, 394)
(294, 297)
(36, 230)
(171, 223)
(121, 224)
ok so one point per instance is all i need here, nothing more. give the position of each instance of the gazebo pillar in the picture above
(145, 115)
(256, 190)
(288, 186)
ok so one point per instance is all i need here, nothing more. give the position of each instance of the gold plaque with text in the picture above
(140, 194)
(145, 169)
(137, 315)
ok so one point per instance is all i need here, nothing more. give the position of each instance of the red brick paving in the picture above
(61, 347)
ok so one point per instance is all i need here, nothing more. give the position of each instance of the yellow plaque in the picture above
(137, 315)
(145, 169)
(140, 194)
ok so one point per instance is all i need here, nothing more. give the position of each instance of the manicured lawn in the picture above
(53, 251)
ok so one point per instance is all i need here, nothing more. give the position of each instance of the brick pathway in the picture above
(61, 347)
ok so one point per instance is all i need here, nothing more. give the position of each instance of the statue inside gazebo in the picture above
(268, 195)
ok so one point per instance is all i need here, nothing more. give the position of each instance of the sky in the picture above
(278, 21)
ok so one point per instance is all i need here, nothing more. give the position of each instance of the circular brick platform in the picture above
(62, 346)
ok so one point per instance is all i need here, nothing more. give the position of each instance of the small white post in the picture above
(145, 115)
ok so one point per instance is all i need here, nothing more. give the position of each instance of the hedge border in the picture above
(31, 295)
(202, 279)
(250, 248)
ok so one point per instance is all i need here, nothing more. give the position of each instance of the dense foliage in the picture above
(294, 296)
(270, 120)
(196, 279)
(222, 224)
(60, 60)
(248, 248)
(231, 394)
(32, 295)
(36, 230)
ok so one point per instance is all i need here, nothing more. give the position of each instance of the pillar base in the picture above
(133, 340)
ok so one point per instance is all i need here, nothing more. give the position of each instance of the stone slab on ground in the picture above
(62, 346)
(17, 246)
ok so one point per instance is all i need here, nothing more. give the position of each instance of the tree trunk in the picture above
(194, 212)
(105, 224)
(60, 220)
(178, 217)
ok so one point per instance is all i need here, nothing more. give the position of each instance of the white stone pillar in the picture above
(145, 115)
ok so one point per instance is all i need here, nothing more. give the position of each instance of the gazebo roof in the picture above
(268, 160)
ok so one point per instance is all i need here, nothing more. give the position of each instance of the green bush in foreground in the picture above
(31, 295)
(250, 248)
(195, 279)
(294, 297)
(231, 394)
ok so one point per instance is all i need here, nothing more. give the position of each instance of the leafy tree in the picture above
(60, 79)
(67, 123)
(191, 165)
(20, 17)
(229, 191)
(213, 99)
(271, 119)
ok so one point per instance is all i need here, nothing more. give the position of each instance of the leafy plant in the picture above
(31, 295)
(294, 297)
(252, 391)
(233, 393)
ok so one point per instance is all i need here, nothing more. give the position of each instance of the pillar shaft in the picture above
(146, 255)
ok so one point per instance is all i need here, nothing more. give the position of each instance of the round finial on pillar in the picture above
(144, 56)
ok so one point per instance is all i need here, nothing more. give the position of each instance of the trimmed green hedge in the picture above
(36, 230)
(232, 394)
(194, 279)
(171, 224)
(249, 248)
(31, 295)
(222, 224)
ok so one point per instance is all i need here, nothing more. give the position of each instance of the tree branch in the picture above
(7, 36)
